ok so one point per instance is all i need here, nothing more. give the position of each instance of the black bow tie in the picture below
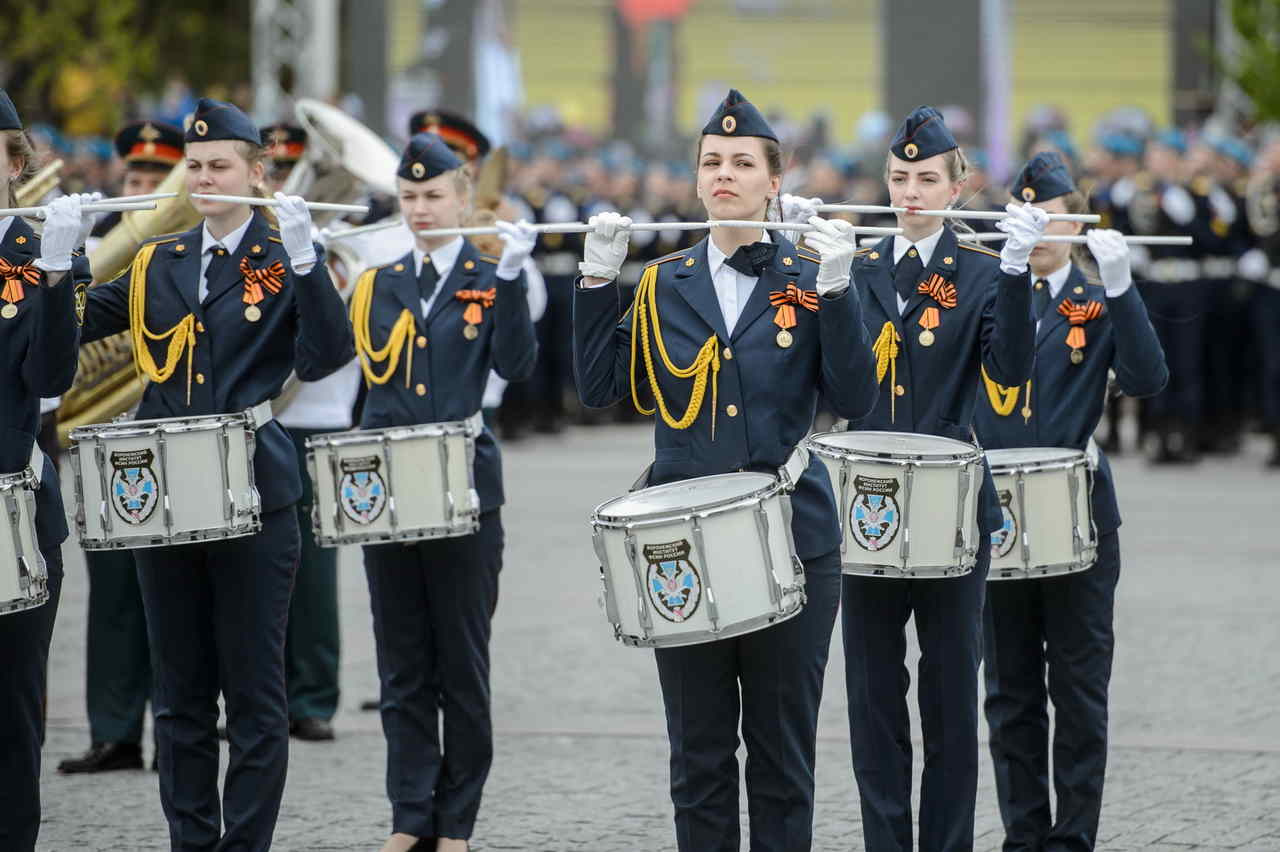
(750, 260)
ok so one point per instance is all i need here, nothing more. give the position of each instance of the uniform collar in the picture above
(230, 242)
(5, 222)
(443, 258)
(925, 246)
(1058, 279)
(717, 258)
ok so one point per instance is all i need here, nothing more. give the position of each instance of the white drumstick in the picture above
(319, 206)
(95, 207)
(993, 236)
(990, 215)
(581, 228)
(361, 229)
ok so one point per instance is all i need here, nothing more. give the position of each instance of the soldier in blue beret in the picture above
(433, 600)
(1090, 320)
(939, 310)
(216, 611)
(716, 296)
(44, 279)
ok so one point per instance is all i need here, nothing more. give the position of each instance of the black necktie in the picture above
(217, 263)
(906, 275)
(1040, 298)
(750, 260)
(427, 279)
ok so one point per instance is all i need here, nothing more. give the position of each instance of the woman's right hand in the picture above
(606, 246)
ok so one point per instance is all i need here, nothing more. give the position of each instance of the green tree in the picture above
(1256, 66)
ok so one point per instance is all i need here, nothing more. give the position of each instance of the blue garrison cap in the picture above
(1173, 138)
(1121, 144)
(426, 156)
(1236, 149)
(922, 135)
(8, 113)
(1044, 176)
(215, 120)
(737, 116)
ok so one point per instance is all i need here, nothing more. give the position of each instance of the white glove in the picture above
(61, 233)
(517, 244)
(606, 246)
(1253, 265)
(1024, 225)
(1177, 204)
(295, 232)
(1112, 254)
(796, 209)
(86, 219)
(836, 243)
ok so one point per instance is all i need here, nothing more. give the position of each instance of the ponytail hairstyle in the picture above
(253, 155)
(1077, 202)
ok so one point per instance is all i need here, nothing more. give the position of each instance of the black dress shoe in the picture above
(104, 757)
(371, 705)
(424, 844)
(315, 730)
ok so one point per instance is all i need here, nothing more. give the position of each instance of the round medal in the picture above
(926, 338)
(253, 313)
(470, 332)
(9, 311)
(785, 339)
(1076, 356)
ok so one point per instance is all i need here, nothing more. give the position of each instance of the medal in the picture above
(253, 313)
(926, 338)
(784, 339)
(470, 332)
(9, 311)
(785, 317)
(1076, 356)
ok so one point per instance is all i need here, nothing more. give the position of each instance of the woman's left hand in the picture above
(518, 241)
(295, 232)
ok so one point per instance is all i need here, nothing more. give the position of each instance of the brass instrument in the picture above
(106, 382)
(40, 185)
(1262, 205)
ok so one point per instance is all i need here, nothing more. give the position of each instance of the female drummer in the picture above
(428, 329)
(220, 315)
(43, 279)
(718, 298)
(938, 311)
(1086, 328)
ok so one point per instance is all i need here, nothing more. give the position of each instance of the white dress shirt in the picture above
(732, 287)
(443, 260)
(208, 243)
(4, 225)
(924, 248)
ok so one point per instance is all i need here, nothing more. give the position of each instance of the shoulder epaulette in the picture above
(675, 255)
(163, 238)
(800, 253)
(488, 258)
(866, 250)
(980, 249)
(276, 240)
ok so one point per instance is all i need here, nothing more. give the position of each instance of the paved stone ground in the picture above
(581, 750)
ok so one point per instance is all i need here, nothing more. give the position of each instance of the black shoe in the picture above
(315, 730)
(104, 757)
(424, 844)
(371, 706)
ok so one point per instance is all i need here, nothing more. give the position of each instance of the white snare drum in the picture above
(177, 480)
(401, 483)
(23, 574)
(1048, 517)
(698, 560)
(908, 503)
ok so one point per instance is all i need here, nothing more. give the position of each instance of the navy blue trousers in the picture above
(24, 658)
(118, 659)
(948, 616)
(216, 615)
(1266, 318)
(1064, 625)
(772, 680)
(433, 603)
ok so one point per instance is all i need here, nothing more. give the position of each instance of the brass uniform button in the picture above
(731, 410)
(911, 252)
(199, 378)
(199, 326)
(399, 267)
(422, 342)
(1039, 285)
(899, 390)
(420, 390)
(728, 354)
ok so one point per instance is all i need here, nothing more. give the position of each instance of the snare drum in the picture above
(1048, 517)
(400, 483)
(698, 560)
(908, 503)
(23, 574)
(178, 480)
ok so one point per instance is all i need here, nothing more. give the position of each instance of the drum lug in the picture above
(771, 579)
(1025, 532)
(642, 607)
(385, 441)
(699, 543)
(228, 499)
(843, 508)
(610, 600)
(100, 459)
(164, 482)
(965, 477)
(904, 552)
(1077, 544)
(446, 494)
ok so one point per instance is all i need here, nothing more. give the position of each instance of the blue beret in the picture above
(1061, 140)
(1235, 149)
(1173, 138)
(922, 135)
(8, 113)
(214, 120)
(1121, 144)
(737, 116)
(426, 156)
(1044, 176)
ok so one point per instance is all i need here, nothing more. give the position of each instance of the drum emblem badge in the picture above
(675, 587)
(134, 489)
(1003, 539)
(362, 492)
(874, 517)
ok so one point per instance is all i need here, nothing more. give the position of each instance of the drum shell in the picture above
(203, 474)
(24, 577)
(430, 487)
(937, 500)
(1051, 509)
(742, 551)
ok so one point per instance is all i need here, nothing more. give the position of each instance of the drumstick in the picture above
(990, 215)
(581, 228)
(95, 207)
(361, 229)
(992, 236)
(319, 206)
(129, 199)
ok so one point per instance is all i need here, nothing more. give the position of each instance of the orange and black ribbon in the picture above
(930, 319)
(14, 276)
(1078, 315)
(942, 290)
(479, 299)
(270, 277)
(786, 300)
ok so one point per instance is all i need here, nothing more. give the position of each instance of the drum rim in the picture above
(442, 428)
(140, 428)
(605, 519)
(971, 453)
(1074, 458)
(739, 628)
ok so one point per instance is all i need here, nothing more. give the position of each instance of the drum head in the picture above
(675, 497)
(1029, 456)
(893, 444)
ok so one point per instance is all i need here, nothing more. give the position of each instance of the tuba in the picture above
(106, 382)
